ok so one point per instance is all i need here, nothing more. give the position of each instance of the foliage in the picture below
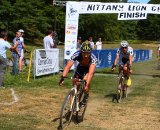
(36, 16)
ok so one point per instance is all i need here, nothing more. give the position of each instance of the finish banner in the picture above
(125, 11)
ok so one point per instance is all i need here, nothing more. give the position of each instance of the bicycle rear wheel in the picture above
(67, 109)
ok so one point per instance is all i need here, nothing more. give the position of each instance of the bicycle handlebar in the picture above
(76, 79)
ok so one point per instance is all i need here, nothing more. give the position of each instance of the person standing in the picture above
(4, 45)
(99, 44)
(21, 48)
(79, 42)
(15, 53)
(91, 42)
(48, 40)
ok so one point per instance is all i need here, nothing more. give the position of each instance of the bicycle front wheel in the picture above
(67, 109)
(80, 114)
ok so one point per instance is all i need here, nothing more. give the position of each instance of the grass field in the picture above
(35, 105)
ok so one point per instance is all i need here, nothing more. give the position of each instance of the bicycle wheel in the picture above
(67, 109)
(119, 95)
(126, 91)
(82, 107)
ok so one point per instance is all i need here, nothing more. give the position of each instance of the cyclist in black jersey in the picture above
(86, 67)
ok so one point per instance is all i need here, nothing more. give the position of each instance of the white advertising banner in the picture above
(46, 61)
(71, 28)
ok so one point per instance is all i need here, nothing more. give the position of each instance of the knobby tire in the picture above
(66, 113)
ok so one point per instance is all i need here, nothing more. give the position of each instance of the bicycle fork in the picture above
(75, 98)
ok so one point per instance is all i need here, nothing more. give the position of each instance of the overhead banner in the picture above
(125, 11)
(46, 61)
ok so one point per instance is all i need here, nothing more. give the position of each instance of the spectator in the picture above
(99, 44)
(91, 42)
(79, 42)
(48, 40)
(4, 45)
(21, 48)
(15, 54)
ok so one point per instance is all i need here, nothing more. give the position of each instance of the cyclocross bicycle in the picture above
(122, 89)
(73, 104)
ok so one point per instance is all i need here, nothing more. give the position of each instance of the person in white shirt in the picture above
(99, 44)
(4, 45)
(48, 40)
(91, 42)
(21, 47)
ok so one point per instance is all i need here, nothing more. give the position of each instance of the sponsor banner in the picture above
(106, 57)
(46, 61)
(71, 28)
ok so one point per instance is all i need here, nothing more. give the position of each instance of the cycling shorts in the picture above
(81, 71)
(124, 61)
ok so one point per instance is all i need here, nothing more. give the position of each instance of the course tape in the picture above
(15, 98)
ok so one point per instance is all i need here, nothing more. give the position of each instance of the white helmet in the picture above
(124, 44)
(21, 30)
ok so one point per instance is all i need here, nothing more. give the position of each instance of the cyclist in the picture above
(124, 56)
(86, 67)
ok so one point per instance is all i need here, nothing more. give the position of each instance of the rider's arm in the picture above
(67, 68)
(130, 59)
(116, 59)
(90, 74)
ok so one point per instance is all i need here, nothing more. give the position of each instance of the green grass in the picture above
(40, 100)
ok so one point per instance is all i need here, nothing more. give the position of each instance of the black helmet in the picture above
(86, 47)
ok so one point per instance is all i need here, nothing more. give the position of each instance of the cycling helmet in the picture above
(21, 30)
(86, 47)
(124, 44)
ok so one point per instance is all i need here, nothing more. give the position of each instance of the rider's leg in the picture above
(20, 64)
(88, 87)
(120, 69)
(126, 70)
(86, 93)
(21, 60)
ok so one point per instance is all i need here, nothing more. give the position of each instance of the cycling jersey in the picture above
(20, 46)
(124, 57)
(83, 65)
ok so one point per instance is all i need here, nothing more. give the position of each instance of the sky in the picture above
(140, 1)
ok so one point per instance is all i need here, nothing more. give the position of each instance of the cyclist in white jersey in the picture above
(124, 56)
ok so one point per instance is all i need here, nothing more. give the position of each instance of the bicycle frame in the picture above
(76, 95)
(121, 86)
